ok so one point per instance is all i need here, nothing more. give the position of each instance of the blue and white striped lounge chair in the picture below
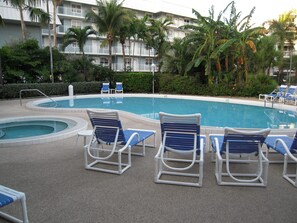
(180, 138)
(109, 139)
(290, 95)
(105, 88)
(236, 148)
(8, 196)
(275, 94)
(119, 87)
(286, 146)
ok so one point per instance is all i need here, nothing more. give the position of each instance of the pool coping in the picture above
(80, 124)
(204, 129)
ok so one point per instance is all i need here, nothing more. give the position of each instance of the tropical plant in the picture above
(108, 20)
(157, 38)
(79, 36)
(284, 30)
(34, 12)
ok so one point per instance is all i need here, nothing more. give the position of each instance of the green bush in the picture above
(142, 83)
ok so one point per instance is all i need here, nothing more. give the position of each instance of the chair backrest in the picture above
(293, 147)
(119, 86)
(243, 141)
(292, 90)
(106, 125)
(282, 90)
(181, 130)
(105, 86)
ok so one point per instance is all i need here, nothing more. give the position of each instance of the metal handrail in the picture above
(38, 92)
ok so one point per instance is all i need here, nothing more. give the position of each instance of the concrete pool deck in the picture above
(60, 190)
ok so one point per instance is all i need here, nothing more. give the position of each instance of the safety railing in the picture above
(55, 103)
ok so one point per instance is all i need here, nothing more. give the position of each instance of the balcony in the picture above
(72, 12)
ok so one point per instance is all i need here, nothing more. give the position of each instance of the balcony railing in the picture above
(62, 10)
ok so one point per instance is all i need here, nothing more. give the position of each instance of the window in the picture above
(128, 61)
(76, 9)
(148, 61)
(103, 61)
(186, 21)
(76, 24)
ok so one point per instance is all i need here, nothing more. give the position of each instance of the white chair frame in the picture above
(162, 160)
(259, 178)
(15, 195)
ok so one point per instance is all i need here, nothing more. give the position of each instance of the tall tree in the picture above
(284, 30)
(79, 36)
(108, 19)
(34, 12)
(55, 5)
(158, 32)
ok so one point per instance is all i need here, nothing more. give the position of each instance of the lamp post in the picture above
(153, 71)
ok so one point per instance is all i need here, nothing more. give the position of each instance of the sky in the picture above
(265, 10)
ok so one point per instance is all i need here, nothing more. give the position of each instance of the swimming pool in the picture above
(215, 112)
(38, 129)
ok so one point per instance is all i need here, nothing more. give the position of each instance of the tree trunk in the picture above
(23, 26)
(124, 55)
(55, 23)
(110, 56)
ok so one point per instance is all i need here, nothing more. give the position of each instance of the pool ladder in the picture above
(39, 91)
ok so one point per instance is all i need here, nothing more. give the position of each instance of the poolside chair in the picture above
(287, 147)
(182, 140)
(236, 149)
(275, 94)
(290, 95)
(119, 87)
(105, 88)
(8, 196)
(109, 139)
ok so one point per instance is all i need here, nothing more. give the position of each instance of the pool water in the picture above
(23, 129)
(218, 114)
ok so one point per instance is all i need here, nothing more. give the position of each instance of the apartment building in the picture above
(71, 13)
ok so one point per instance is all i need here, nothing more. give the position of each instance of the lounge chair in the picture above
(181, 138)
(290, 95)
(287, 147)
(235, 149)
(119, 87)
(8, 196)
(108, 139)
(275, 94)
(105, 88)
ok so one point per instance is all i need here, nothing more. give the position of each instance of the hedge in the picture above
(142, 83)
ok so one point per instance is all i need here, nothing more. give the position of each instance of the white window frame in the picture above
(76, 23)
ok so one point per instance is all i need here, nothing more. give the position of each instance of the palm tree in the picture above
(108, 20)
(55, 5)
(125, 32)
(35, 13)
(158, 35)
(79, 36)
(283, 29)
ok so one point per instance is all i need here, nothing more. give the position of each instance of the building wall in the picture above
(10, 33)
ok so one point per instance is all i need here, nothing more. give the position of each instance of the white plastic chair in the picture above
(105, 88)
(109, 139)
(119, 87)
(237, 148)
(180, 138)
(287, 147)
(8, 196)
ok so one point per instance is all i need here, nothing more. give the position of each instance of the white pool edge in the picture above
(80, 125)
(204, 129)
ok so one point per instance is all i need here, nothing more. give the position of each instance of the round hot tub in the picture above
(38, 129)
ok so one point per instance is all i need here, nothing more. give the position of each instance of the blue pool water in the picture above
(23, 129)
(217, 114)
